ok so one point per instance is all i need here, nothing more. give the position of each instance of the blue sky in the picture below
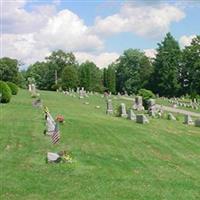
(96, 30)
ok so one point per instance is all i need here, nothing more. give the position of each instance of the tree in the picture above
(109, 78)
(190, 68)
(132, 70)
(43, 75)
(59, 60)
(70, 77)
(165, 79)
(90, 77)
(9, 70)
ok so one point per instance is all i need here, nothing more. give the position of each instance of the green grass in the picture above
(114, 158)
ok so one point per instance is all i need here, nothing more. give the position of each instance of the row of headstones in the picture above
(141, 118)
(81, 92)
(186, 105)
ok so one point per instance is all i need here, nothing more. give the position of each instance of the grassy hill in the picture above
(114, 158)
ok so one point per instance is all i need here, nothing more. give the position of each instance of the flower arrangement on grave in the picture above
(60, 118)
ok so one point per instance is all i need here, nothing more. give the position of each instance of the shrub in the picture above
(5, 92)
(146, 95)
(13, 87)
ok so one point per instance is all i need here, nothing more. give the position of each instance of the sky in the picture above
(93, 30)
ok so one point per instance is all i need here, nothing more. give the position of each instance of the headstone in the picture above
(170, 116)
(126, 94)
(139, 105)
(123, 110)
(29, 88)
(37, 103)
(134, 106)
(109, 107)
(197, 122)
(152, 107)
(81, 95)
(131, 115)
(142, 119)
(188, 120)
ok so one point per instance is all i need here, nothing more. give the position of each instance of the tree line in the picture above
(173, 72)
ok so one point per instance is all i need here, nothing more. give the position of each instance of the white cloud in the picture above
(67, 31)
(143, 20)
(15, 19)
(101, 60)
(30, 36)
(186, 40)
(23, 47)
(151, 53)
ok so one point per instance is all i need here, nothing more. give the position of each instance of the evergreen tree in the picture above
(190, 70)
(90, 77)
(111, 79)
(132, 69)
(165, 79)
(70, 77)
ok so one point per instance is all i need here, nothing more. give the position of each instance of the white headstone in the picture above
(123, 110)
(131, 115)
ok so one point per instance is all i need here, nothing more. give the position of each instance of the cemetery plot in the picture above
(113, 157)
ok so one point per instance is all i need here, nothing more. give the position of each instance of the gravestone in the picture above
(188, 120)
(37, 103)
(131, 115)
(139, 105)
(197, 122)
(170, 116)
(123, 110)
(109, 107)
(152, 107)
(134, 106)
(142, 119)
(29, 87)
(81, 94)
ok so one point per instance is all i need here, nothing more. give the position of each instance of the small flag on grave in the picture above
(56, 135)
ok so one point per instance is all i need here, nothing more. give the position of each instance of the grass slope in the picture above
(113, 158)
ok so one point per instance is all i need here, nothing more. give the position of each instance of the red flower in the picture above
(60, 118)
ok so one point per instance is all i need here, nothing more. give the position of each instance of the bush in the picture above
(13, 87)
(5, 92)
(146, 95)
(55, 87)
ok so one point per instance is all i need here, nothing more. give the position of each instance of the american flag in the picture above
(56, 135)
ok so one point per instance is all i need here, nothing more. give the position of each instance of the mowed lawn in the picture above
(113, 158)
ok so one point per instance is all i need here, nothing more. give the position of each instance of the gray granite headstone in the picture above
(123, 110)
(139, 105)
(142, 119)
(109, 107)
(197, 122)
(188, 120)
(170, 116)
(131, 115)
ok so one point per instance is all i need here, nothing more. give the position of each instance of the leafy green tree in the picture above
(90, 76)
(165, 79)
(70, 77)
(58, 60)
(109, 76)
(9, 70)
(133, 68)
(43, 75)
(190, 68)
